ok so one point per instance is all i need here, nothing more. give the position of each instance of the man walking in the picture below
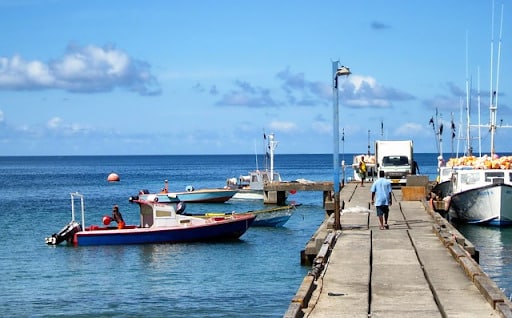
(381, 197)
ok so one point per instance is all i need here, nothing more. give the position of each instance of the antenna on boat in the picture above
(453, 131)
(272, 144)
(494, 94)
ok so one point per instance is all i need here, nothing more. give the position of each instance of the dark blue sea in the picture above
(255, 276)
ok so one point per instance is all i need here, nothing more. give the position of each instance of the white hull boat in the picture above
(250, 187)
(482, 196)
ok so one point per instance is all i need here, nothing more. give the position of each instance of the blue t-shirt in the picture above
(382, 189)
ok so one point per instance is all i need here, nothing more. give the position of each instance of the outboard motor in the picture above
(66, 234)
(180, 207)
(136, 197)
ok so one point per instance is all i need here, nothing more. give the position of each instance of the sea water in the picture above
(255, 276)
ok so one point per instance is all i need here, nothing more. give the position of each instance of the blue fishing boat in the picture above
(159, 223)
(269, 217)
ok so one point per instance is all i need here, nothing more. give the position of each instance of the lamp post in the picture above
(337, 70)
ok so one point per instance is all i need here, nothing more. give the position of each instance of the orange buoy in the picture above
(113, 177)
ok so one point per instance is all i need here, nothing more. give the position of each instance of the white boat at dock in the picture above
(483, 196)
(371, 167)
(250, 186)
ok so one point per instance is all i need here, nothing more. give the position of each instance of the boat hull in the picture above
(199, 196)
(274, 217)
(442, 189)
(490, 204)
(195, 196)
(276, 221)
(249, 195)
(271, 217)
(222, 229)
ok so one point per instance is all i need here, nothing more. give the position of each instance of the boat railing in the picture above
(75, 196)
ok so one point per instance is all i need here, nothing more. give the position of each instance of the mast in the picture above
(479, 116)
(494, 86)
(368, 142)
(492, 109)
(494, 93)
(469, 150)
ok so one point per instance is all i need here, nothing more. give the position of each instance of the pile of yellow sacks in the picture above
(484, 162)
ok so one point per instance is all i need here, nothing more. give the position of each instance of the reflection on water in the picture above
(495, 246)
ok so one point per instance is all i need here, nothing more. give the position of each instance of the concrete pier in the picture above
(421, 267)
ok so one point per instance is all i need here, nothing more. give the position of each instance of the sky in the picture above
(172, 77)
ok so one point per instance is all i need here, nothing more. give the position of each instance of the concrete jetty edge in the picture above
(461, 249)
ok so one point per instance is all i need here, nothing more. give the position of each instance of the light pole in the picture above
(337, 70)
(343, 157)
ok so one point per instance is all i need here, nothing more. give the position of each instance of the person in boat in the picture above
(382, 198)
(116, 216)
(362, 170)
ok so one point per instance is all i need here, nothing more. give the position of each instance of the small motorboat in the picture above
(159, 223)
(270, 217)
(190, 195)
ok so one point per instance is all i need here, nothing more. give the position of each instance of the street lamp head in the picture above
(343, 70)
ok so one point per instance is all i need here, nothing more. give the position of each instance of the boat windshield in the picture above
(495, 176)
(470, 177)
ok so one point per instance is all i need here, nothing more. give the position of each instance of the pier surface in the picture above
(420, 267)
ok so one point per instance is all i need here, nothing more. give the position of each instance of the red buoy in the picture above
(113, 177)
(107, 219)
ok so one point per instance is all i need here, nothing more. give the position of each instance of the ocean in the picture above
(255, 276)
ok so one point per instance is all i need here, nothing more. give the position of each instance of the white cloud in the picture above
(409, 129)
(359, 80)
(283, 126)
(322, 127)
(54, 123)
(82, 69)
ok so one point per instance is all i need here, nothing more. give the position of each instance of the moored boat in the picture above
(159, 223)
(371, 167)
(483, 196)
(190, 195)
(270, 217)
(250, 186)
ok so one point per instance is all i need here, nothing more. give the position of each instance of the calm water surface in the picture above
(255, 276)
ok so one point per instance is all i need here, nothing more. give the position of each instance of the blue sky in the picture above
(209, 77)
